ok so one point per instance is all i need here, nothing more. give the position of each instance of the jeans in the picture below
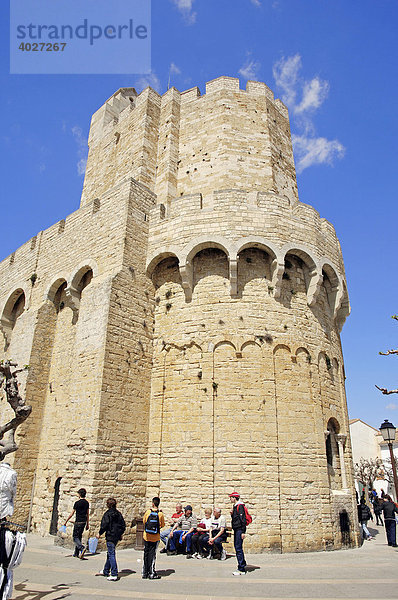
(215, 548)
(149, 558)
(78, 529)
(110, 564)
(164, 536)
(198, 540)
(390, 531)
(365, 530)
(238, 544)
(378, 518)
(175, 539)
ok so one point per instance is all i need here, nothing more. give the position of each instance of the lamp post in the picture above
(387, 430)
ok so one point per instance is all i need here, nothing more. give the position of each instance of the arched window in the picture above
(13, 309)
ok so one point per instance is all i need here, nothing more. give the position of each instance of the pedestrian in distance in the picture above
(389, 512)
(378, 509)
(81, 507)
(238, 522)
(364, 514)
(153, 523)
(113, 525)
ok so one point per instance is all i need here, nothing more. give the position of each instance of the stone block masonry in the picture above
(182, 326)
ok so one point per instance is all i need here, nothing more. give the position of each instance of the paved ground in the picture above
(51, 573)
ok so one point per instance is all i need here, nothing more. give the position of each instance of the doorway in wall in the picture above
(54, 516)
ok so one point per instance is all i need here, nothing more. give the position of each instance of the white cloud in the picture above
(42, 168)
(285, 72)
(256, 2)
(249, 69)
(81, 143)
(314, 94)
(315, 151)
(308, 148)
(174, 69)
(151, 80)
(185, 8)
(392, 406)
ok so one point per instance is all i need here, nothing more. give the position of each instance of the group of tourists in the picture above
(381, 506)
(185, 533)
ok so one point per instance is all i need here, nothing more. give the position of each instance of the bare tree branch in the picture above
(17, 403)
(367, 471)
(385, 391)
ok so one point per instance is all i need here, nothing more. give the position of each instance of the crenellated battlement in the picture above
(187, 141)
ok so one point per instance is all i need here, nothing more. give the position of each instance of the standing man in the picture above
(389, 511)
(164, 535)
(153, 522)
(81, 507)
(238, 523)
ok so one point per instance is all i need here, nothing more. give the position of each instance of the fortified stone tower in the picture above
(183, 325)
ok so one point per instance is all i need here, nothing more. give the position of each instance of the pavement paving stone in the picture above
(51, 573)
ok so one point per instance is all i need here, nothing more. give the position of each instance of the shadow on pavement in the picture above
(373, 532)
(251, 568)
(166, 572)
(31, 594)
(126, 573)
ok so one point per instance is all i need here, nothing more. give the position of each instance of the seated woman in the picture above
(202, 530)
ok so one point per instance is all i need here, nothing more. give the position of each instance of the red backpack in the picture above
(249, 518)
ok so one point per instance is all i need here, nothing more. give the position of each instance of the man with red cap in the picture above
(238, 515)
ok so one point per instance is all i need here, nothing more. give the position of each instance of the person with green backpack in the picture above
(153, 523)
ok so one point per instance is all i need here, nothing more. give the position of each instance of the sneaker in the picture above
(112, 578)
(82, 553)
(171, 552)
(223, 555)
(189, 555)
(237, 573)
(163, 551)
(144, 576)
(154, 576)
(101, 574)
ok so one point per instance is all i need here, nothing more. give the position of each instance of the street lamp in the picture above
(387, 430)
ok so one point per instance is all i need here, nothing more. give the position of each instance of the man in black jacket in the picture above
(113, 525)
(389, 511)
(238, 515)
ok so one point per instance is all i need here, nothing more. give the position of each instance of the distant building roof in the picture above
(351, 421)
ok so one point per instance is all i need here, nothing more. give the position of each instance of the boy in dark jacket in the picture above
(364, 515)
(238, 523)
(113, 525)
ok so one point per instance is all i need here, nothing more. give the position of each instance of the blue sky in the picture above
(333, 62)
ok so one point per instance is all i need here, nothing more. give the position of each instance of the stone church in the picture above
(182, 327)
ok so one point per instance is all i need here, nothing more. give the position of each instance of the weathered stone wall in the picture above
(182, 327)
(63, 340)
(186, 143)
(241, 397)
